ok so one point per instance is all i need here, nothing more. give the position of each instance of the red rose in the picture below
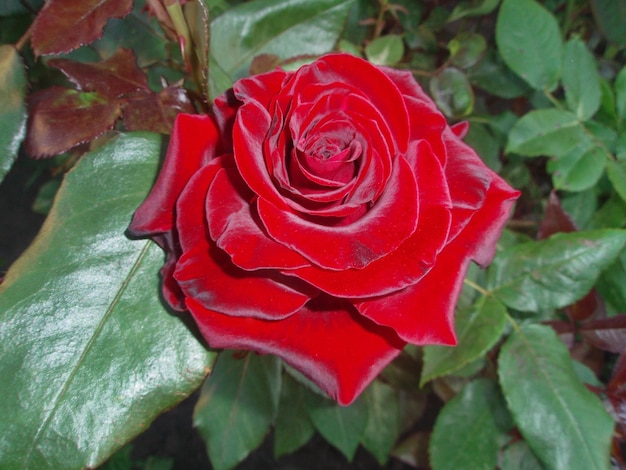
(327, 216)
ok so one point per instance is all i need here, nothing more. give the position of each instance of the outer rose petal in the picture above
(171, 290)
(330, 343)
(424, 312)
(192, 145)
(205, 273)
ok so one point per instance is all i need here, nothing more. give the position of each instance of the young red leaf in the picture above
(156, 111)
(116, 76)
(61, 118)
(618, 380)
(65, 25)
(608, 334)
(555, 219)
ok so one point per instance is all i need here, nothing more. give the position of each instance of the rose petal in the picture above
(367, 78)
(192, 145)
(423, 313)
(469, 181)
(333, 346)
(379, 232)
(236, 228)
(412, 260)
(206, 274)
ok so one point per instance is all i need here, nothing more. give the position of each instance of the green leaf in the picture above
(529, 41)
(620, 95)
(89, 354)
(579, 169)
(612, 284)
(384, 422)
(452, 92)
(466, 49)
(385, 50)
(616, 171)
(492, 75)
(472, 8)
(581, 81)
(478, 329)
(237, 405)
(341, 426)
(546, 132)
(553, 273)
(467, 431)
(611, 214)
(518, 456)
(564, 423)
(481, 139)
(611, 16)
(12, 108)
(286, 29)
(293, 425)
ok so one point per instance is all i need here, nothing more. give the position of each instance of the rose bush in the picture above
(327, 216)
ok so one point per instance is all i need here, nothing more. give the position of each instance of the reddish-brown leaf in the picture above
(608, 334)
(60, 119)
(64, 25)
(156, 111)
(555, 219)
(618, 379)
(116, 76)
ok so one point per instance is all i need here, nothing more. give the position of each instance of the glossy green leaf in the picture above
(478, 329)
(472, 8)
(548, 132)
(341, 426)
(563, 422)
(611, 16)
(555, 272)
(581, 81)
(385, 50)
(467, 431)
(579, 169)
(287, 29)
(237, 405)
(293, 425)
(89, 354)
(452, 92)
(12, 107)
(529, 41)
(384, 423)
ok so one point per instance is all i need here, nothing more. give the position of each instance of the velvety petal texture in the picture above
(327, 216)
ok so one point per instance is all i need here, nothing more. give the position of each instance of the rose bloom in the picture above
(327, 216)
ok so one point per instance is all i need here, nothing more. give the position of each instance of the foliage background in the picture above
(89, 355)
